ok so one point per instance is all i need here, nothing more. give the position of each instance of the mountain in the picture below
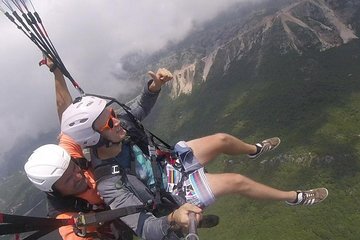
(14, 159)
(286, 68)
(299, 26)
(290, 72)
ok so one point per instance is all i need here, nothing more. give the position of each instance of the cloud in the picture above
(90, 36)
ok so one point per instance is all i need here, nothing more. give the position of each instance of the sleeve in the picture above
(67, 232)
(143, 103)
(144, 224)
(158, 228)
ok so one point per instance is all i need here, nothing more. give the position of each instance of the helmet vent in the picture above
(89, 103)
(38, 181)
(79, 105)
(83, 120)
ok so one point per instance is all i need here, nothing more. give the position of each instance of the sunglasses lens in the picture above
(111, 123)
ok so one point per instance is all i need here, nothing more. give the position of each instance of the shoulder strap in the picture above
(57, 205)
(83, 163)
(11, 224)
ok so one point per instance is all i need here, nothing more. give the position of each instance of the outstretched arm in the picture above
(62, 94)
(144, 102)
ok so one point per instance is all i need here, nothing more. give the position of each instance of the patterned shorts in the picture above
(194, 185)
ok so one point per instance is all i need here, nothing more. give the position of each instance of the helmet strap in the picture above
(55, 193)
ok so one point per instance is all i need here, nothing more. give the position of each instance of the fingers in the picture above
(192, 208)
(161, 74)
(198, 217)
(152, 75)
(46, 61)
(159, 79)
(164, 74)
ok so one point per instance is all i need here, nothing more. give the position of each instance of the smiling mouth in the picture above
(120, 130)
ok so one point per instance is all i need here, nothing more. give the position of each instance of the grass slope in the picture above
(312, 102)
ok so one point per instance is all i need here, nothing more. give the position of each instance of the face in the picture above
(72, 181)
(109, 126)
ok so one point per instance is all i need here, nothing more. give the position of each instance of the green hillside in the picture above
(311, 101)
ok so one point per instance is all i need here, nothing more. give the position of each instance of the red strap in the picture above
(170, 159)
(70, 221)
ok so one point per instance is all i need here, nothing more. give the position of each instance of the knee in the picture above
(240, 182)
(222, 138)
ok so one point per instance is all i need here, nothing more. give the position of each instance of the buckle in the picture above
(80, 225)
(115, 169)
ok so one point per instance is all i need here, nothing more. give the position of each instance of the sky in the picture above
(90, 36)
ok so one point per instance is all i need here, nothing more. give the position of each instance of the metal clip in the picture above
(115, 169)
(80, 225)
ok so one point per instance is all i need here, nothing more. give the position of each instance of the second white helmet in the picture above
(46, 165)
(77, 120)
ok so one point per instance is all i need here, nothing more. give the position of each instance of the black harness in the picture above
(58, 204)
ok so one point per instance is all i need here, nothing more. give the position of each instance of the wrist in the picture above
(153, 87)
(53, 68)
(172, 221)
(171, 218)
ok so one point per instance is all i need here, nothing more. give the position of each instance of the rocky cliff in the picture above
(297, 26)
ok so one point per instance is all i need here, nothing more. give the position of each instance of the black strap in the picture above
(8, 218)
(11, 224)
(13, 228)
(58, 204)
(83, 163)
(108, 170)
(97, 218)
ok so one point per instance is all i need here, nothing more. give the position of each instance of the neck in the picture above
(109, 152)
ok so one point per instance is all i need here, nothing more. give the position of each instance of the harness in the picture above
(154, 197)
(99, 216)
(158, 152)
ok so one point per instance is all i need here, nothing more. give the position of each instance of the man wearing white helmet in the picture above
(52, 170)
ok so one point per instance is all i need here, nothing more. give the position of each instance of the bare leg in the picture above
(230, 183)
(207, 148)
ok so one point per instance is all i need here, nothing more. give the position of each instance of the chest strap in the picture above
(108, 170)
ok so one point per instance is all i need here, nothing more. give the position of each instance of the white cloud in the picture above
(90, 36)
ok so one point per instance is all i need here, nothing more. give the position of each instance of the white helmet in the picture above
(77, 120)
(46, 165)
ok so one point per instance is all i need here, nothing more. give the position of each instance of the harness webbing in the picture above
(12, 224)
(97, 218)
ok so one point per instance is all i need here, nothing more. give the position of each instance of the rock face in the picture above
(302, 24)
(183, 80)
